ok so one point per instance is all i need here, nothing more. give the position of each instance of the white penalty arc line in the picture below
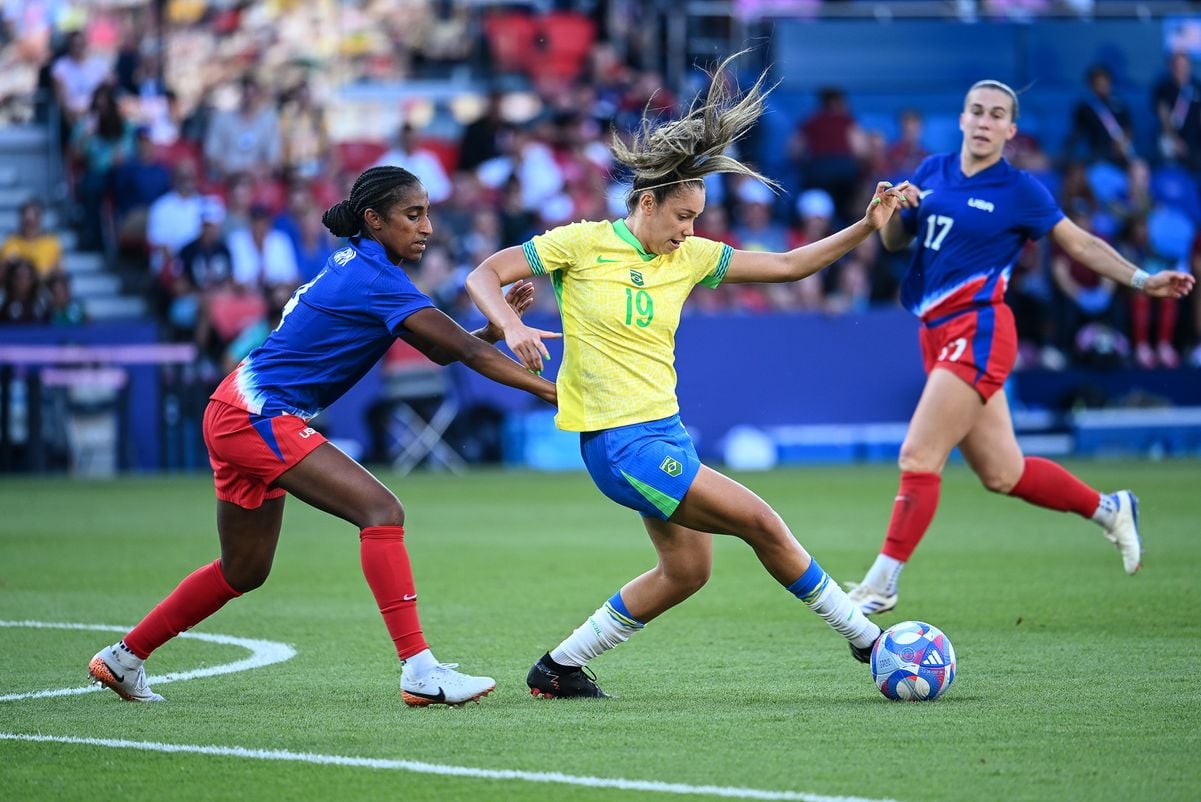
(435, 768)
(265, 653)
(262, 653)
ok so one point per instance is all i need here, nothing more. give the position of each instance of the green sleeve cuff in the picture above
(723, 264)
(531, 256)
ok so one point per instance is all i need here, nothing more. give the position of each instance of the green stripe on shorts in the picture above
(663, 502)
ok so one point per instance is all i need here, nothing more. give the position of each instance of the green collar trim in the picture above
(623, 231)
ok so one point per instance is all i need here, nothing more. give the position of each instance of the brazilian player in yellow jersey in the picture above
(621, 286)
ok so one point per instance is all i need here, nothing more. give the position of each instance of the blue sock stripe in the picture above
(811, 583)
(617, 608)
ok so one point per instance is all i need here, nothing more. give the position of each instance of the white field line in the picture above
(262, 653)
(435, 768)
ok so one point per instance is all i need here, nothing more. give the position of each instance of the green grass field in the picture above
(1075, 680)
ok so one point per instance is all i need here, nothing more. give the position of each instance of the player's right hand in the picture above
(526, 344)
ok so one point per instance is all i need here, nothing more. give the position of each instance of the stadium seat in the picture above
(1175, 186)
(513, 39)
(356, 155)
(446, 151)
(569, 36)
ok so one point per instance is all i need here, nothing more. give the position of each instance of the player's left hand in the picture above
(886, 200)
(1169, 284)
(519, 297)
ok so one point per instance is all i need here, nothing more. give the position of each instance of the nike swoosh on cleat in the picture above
(440, 698)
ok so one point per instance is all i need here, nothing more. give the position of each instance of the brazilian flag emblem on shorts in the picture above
(671, 467)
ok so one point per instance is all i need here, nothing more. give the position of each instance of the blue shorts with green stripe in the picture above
(647, 467)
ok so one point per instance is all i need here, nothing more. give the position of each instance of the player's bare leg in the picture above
(716, 503)
(685, 561)
(248, 541)
(948, 409)
(992, 451)
(331, 481)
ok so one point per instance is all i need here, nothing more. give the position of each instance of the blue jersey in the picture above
(969, 233)
(333, 330)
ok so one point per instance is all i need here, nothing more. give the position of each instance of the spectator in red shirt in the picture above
(827, 148)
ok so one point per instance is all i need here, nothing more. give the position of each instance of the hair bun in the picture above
(341, 220)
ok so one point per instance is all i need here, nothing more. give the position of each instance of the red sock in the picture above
(912, 512)
(202, 593)
(1049, 485)
(386, 566)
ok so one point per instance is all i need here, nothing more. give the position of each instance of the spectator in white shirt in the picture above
(174, 219)
(262, 256)
(419, 161)
(246, 139)
(77, 74)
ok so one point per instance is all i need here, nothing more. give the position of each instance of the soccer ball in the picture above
(913, 661)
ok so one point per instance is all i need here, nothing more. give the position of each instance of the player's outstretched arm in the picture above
(519, 297)
(484, 286)
(1100, 257)
(756, 266)
(434, 330)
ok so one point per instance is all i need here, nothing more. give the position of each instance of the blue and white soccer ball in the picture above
(913, 661)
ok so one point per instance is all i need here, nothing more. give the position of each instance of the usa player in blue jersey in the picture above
(256, 427)
(969, 214)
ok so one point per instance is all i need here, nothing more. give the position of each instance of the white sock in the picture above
(1107, 510)
(826, 597)
(609, 626)
(833, 605)
(884, 574)
(120, 652)
(420, 664)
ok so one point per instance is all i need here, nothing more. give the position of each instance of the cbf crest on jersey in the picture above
(636, 277)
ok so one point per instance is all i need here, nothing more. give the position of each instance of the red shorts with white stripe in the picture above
(249, 452)
(979, 345)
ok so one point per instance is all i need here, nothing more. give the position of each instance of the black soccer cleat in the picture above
(864, 653)
(548, 683)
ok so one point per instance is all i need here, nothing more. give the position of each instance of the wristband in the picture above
(1139, 279)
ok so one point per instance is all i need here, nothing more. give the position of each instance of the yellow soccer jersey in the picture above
(621, 308)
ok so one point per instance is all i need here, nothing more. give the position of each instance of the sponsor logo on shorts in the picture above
(671, 467)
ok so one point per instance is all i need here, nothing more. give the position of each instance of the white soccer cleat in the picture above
(1124, 532)
(443, 686)
(869, 600)
(128, 683)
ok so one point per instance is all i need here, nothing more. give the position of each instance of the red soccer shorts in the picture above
(977, 345)
(249, 452)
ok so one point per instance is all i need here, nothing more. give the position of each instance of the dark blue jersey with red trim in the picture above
(969, 231)
(334, 329)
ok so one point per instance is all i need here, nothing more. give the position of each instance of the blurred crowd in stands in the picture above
(206, 173)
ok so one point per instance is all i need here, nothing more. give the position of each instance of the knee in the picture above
(245, 575)
(688, 579)
(998, 481)
(915, 459)
(383, 510)
(764, 529)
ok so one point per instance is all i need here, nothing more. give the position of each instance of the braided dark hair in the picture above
(377, 188)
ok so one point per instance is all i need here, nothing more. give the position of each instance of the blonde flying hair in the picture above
(665, 157)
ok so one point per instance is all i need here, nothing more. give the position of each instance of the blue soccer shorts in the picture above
(647, 467)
